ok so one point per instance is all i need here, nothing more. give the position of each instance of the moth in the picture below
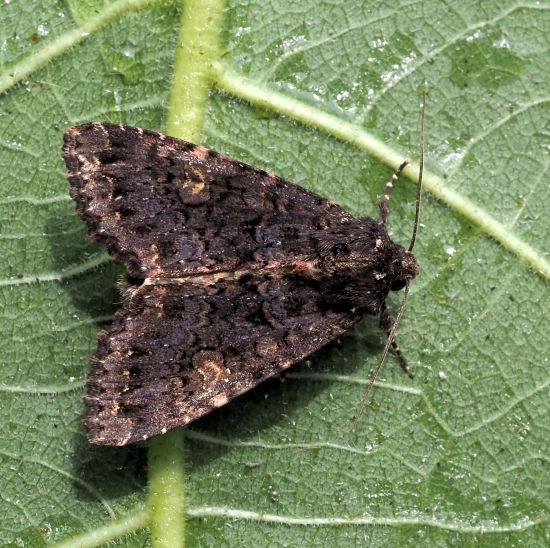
(234, 275)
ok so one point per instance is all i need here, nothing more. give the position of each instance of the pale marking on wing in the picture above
(273, 270)
(218, 400)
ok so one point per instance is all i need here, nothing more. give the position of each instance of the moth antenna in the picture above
(385, 199)
(382, 359)
(384, 210)
(420, 174)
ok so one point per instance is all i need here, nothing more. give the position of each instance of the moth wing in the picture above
(178, 350)
(167, 208)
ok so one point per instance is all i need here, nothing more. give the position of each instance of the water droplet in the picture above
(449, 249)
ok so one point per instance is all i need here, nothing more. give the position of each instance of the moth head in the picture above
(389, 270)
(403, 269)
(362, 264)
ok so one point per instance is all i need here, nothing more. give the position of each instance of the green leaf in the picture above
(325, 94)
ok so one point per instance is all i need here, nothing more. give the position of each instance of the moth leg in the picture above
(385, 200)
(386, 324)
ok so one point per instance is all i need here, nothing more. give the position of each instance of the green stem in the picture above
(268, 98)
(196, 50)
(61, 44)
(165, 497)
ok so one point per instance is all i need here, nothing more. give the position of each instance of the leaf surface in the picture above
(460, 452)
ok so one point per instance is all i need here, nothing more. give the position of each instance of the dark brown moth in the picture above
(233, 275)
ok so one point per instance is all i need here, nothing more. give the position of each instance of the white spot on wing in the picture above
(218, 400)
